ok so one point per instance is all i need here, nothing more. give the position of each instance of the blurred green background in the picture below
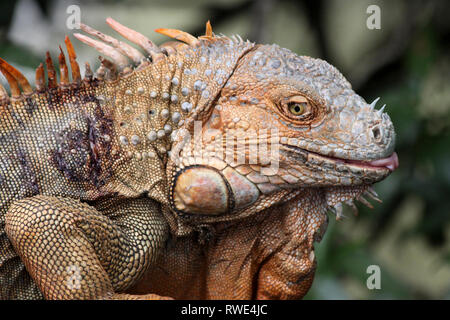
(406, 63)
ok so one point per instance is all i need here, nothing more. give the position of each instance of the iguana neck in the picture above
(148, 105)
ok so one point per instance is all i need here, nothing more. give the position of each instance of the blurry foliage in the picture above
(407, 63)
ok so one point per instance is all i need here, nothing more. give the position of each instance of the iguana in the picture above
(132, 184)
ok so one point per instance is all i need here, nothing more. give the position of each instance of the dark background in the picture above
(406, 63)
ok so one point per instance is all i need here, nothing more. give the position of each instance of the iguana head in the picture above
(284, 122)
(328, 134)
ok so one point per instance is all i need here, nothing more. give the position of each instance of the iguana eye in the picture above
(297, 108)
(300, 110)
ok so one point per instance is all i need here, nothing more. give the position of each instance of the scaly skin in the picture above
(117, 188)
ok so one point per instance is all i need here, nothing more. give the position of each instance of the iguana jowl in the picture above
(104, 197)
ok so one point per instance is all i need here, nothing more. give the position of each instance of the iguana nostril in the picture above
(376, 132)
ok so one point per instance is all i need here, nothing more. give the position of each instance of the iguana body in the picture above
(103, 194)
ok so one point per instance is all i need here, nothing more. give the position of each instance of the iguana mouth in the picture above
(391, 163)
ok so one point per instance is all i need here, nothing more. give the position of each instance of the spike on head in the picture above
(122, 47)
(101, 72)
(111, 67)
(339, 211)
(168, 48)
(19, 77)
(365, 202)
(179, 35)
(4, 98)
(105, 49)
(352, 205)
(13, 84)
(171, 47)
(137, 38)
(208, 31)
(374, 103)
(373, 196)
(64, 71)
(88, 72)
(51, 72)
(40, 78)
(76, 76)
(380, 112)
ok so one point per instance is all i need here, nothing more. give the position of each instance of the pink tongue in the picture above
(390, 162)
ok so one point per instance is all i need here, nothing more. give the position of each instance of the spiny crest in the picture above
(189, 72)
(336, 196)
(118, 51)
(17, 80)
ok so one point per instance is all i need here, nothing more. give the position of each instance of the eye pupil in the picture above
(297, 108)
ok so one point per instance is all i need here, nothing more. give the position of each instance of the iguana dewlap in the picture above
(199, 169)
